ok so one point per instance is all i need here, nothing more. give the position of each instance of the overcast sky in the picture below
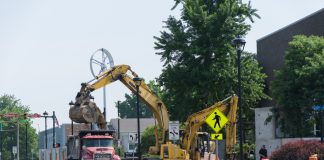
(45, 46)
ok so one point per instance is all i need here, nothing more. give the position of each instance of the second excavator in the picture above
(227, 106)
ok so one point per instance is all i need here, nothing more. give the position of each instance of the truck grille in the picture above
(102, 156)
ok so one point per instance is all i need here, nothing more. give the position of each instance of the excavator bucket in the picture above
(86, 111)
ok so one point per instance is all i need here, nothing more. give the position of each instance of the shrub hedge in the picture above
(299, 150)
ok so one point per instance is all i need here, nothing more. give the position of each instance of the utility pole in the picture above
(54, 119)
(18, 141)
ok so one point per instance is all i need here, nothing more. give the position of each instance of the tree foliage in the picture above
(148, 139)
(200, 61)
(9, 104)
(128, 106)
(298, 83)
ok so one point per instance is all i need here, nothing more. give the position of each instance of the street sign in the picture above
(14, 149)
(318, 108)
(216, 120)
(174, 130)
(132, 137)
(216, 136)
(35, 115)
(11, 115)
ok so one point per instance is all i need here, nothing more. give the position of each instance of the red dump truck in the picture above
(91, 145)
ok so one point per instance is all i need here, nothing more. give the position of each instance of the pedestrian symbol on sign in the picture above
(216, 120)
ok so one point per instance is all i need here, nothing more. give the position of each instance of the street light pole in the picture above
(239, 45)
(118, 120)
(138, 81)
(45, 115)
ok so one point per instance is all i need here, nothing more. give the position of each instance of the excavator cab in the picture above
(202, 146)
(171, 151)
(202, 143)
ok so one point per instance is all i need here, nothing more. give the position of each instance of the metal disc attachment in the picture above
(100, 61)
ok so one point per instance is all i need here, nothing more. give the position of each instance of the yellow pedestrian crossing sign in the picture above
(216, 120)
(216, 136)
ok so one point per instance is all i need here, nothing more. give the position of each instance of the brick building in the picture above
(272, 47)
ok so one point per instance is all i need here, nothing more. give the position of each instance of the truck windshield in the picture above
(97, 142)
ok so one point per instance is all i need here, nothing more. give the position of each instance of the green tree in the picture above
(9, 104)
(200, 61)
(298, 83)
(128, 106)
(148, 139)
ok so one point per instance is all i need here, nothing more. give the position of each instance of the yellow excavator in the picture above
(119, 72)
(228, 106)
(84, 110)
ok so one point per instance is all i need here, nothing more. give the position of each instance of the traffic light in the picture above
(25, 115)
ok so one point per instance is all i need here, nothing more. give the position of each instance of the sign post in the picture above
(216, 120)
(216, 137)
(216, 150)
(174, 134)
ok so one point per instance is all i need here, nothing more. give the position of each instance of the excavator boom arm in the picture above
(146, 95)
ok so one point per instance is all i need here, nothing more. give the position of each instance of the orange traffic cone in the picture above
(313, 157)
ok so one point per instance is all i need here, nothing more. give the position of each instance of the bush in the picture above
(299, 150)
(119, 151)
(247, 150)
(148, 139)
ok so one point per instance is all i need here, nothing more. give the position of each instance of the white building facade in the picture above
(128, 131)
(266, 133)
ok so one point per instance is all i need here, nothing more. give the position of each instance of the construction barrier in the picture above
(53, 154)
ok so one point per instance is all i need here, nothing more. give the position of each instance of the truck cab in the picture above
(91, 145)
